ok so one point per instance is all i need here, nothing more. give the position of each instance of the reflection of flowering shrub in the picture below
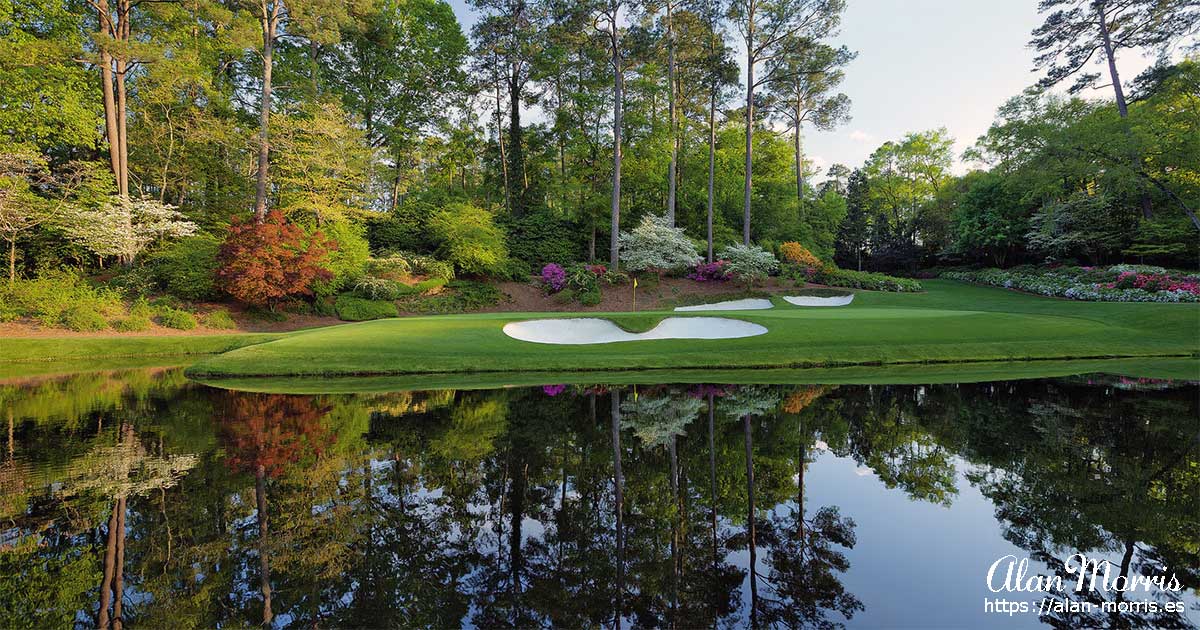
(709, 272)
(1119, 283)
(553, 390)
(554, 277)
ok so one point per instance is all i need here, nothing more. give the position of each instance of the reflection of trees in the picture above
(584, 509)
(1114, 474)
(264, 434)
(805, 556)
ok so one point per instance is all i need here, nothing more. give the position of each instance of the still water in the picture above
(140, 498)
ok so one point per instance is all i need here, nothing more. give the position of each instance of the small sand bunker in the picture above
(585, 330)
(750, 304)
(809, 300)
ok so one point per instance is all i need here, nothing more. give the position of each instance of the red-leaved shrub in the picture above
(261, 264)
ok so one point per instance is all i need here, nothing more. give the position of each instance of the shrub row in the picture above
(1119, 283)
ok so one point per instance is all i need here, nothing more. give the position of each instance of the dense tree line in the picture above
(560, 124)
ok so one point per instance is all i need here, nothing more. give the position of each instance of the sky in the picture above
(924, 64)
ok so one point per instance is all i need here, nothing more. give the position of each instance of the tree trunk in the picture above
(712, 164)
(264, 112)
(12, 261)
(1119, 92)
(515, 150)
(618, 86)
(673, 167)
(110, 104)
(123, 11)
(799, 159)
(749, 130)
(503, 154)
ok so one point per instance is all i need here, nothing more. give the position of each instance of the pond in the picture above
(142, 496)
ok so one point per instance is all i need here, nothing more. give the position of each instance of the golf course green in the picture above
(948, 323)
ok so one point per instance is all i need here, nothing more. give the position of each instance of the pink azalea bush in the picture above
(709, 272)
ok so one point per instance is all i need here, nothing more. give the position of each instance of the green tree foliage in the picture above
(468, 237)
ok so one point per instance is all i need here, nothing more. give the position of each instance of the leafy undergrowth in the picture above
(460, 296)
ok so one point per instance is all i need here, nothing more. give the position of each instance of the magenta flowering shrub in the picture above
(1154, 282)
(710, 272)
(553, 390)
(554, 277)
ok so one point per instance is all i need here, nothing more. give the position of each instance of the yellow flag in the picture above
(635, 283)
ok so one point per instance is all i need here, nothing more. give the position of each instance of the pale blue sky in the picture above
(924, 64)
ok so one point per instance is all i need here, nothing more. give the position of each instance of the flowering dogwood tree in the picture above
(124, 227)
(654, 245)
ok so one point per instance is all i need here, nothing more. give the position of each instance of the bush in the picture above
(656, 246)
(135, 282)
(463, 295)
(48, 299)
(796, 253)
(516, 270)
(429, 285)
(748, 263)
(347, 258)
(354, 309)
(541, 236)
(371, 288)
(1119, 283)
(710, 272)
(261, 264)
(187, 269)
(554, 278)
(83, 318)
(469, 239)
(178, 319)
(583, 279)
(133, 323)
(832, 276)
(589, 298)
(411, 264)
(406, 228)
(220, 319)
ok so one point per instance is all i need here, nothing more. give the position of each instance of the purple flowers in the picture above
(554, 277)
(709, 272)
(553, 390)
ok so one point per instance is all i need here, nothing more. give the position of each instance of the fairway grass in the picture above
(948, 323)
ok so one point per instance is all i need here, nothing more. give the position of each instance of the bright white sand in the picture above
(749, 304)
(808, 300)
(585, 330)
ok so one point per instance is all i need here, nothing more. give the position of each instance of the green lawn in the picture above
(950, 322)
(87, 350)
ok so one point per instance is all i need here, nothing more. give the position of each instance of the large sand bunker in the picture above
(585, 330)
(749, 304)
(809, 300)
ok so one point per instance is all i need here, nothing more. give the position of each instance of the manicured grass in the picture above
(21, 350)
(949, 322)
(905, 374)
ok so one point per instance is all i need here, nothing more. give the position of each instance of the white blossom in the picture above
(125, 227)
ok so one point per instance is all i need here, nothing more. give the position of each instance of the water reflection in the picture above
(138, 498)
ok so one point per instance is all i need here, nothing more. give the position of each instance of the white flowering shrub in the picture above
(749, 263)
(125, 227)
(656, 246)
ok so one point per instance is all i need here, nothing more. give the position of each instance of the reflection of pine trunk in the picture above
(712, 476)
(264, 563)
(672, 448)
(619, 497)
(110, 560)
(800, 487)
(515, 557)
(750, 531)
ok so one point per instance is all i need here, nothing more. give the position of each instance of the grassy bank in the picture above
(950, 322)
(89, 349)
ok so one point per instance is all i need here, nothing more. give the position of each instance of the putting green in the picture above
(950, 322)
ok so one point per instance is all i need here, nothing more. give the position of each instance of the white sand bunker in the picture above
(809, 300)
(584, 330)
(750, 304)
